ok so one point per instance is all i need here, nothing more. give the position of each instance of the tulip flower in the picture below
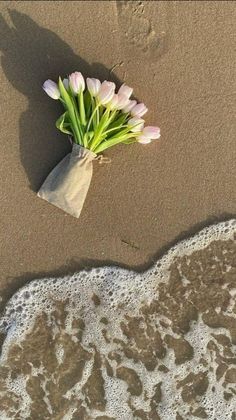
(66, 83)
(114, 101)
(51, 89)
(148, 134)
(99, 117)
(129, 106)
(122, 101)
(136, 124)
(152, 132)
(106, 92)
(139, 110)
(118, 101)
(144, 140)
(125, 90)
(93, 86)
(77, 83)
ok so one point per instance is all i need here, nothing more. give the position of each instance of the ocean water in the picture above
(111, 343)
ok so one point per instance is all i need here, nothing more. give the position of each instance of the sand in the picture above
(179, 58)
(171, 356)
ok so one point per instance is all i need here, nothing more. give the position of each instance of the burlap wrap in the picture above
(67, 184)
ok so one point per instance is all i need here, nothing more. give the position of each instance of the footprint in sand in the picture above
(149, 37)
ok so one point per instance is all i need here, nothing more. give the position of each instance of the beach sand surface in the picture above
(154, 337)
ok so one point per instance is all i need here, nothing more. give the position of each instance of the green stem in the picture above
(81, 107)
(115, 128)
(71, 110)
(91, 118)
(76, 128)
(106, 144)
(85, 140)
(63, 102)
(97, 116)
(78, 120)
(102, 125)
(74, 134)
(75, 125)
(126, 127)
(113, 141)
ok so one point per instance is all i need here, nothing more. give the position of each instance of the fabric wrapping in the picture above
(67, 184)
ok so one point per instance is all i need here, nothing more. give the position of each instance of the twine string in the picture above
(102, 159)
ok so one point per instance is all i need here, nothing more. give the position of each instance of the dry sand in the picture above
(180, 59)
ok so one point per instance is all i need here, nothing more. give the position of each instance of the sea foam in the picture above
(153, 345)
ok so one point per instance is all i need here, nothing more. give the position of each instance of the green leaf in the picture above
(109, 143)
(66, 97)
(61, 123)
(113, 131)
(87, 103)
(82, 108)
(130, 141)
(118, 122)
(71, 111)
(99, 130)
(121, 133)
(90, 135)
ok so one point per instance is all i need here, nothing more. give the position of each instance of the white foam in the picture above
(120, 292)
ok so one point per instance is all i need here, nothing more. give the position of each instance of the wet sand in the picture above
(179, 58)
(113, 344)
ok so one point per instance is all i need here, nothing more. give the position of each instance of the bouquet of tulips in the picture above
(95, 118)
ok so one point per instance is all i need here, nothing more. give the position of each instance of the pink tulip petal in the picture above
(93, 86)
(77, 83)
(144, 140)
(122, 101)
(139, 110)
(125, 90)
(106, 92)
(129, 106)
(136, 124)
(51, 89)
(152, 132)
